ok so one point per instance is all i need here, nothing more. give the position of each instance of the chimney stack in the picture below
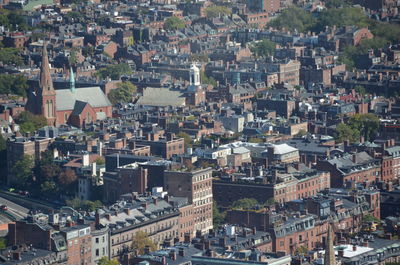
(187, 238)
(172, 255)
(146, 249)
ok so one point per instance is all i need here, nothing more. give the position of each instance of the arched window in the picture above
(47, 110)
(51, 113)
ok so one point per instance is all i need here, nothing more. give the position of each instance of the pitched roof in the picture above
(79, 107)
(66, 99)
(154, 96)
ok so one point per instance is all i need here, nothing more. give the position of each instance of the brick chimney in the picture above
(108, 216)
(146, 249)
(127, 211)
(172, 255)
(187, 238)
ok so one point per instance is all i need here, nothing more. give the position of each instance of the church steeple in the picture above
(71, 80)
(329, 258)
(47, 94)
(45, 81)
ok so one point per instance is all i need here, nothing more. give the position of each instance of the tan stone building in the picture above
(196, 185)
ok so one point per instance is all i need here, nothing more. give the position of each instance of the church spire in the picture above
(45, 82)
(71, 80)
(329, 258)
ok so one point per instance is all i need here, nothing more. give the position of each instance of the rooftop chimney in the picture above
(187, 238)
(146, 249)
(172, 255)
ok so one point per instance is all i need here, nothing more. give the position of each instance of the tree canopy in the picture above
(13, 84)
(263, 48)
(12, 20)
(345, 132)
(123, 93)
(85, 205)
(293, 18)
(173, 23)
(22, 171)
(207, 80)
(218, 216)
(186, 137)
(366, 125)
(114, 71)
(244, 204)
(107, 261)
(29, 122)
(11, 56)
(141, 240)
(216, 11)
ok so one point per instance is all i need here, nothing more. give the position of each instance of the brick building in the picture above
(164, 147)
(20, 146)
(79, 241)
(196, 185)
(351, 169)
(154, 216)
(280, 187)
(125, 179)
(283, 108)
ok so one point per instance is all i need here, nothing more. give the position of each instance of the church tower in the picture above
(46, 93)
(194, 75)
(329, 258)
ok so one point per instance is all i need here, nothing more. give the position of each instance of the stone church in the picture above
(73, 106)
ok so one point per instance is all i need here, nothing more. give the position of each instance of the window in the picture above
(97, 240)
(97, 252)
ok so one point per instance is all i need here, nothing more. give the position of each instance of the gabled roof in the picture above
(65, 98)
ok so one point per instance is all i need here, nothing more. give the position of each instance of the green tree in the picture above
(174, 23)
(123, 93)
(114, 71)
(141, 240)
(216, 11)
(347, 16)
(366, 124)
(244, 204)
(301, 133)
(3, 243)
(11, 56)
(360, 90)
(22, 170)
(100, 161)
(218, 216)
(263, 48)
(269, 202)
(88, 50)
(199, 57)
(85, 205)
(29, 122)
(186, 138)
(13, 84)
(370, 218)
(207, 80)
(13, 20)
(336, 3)
(107, 261)
(293, 18)
(255, 140)
(345, 132)
(49, 188)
